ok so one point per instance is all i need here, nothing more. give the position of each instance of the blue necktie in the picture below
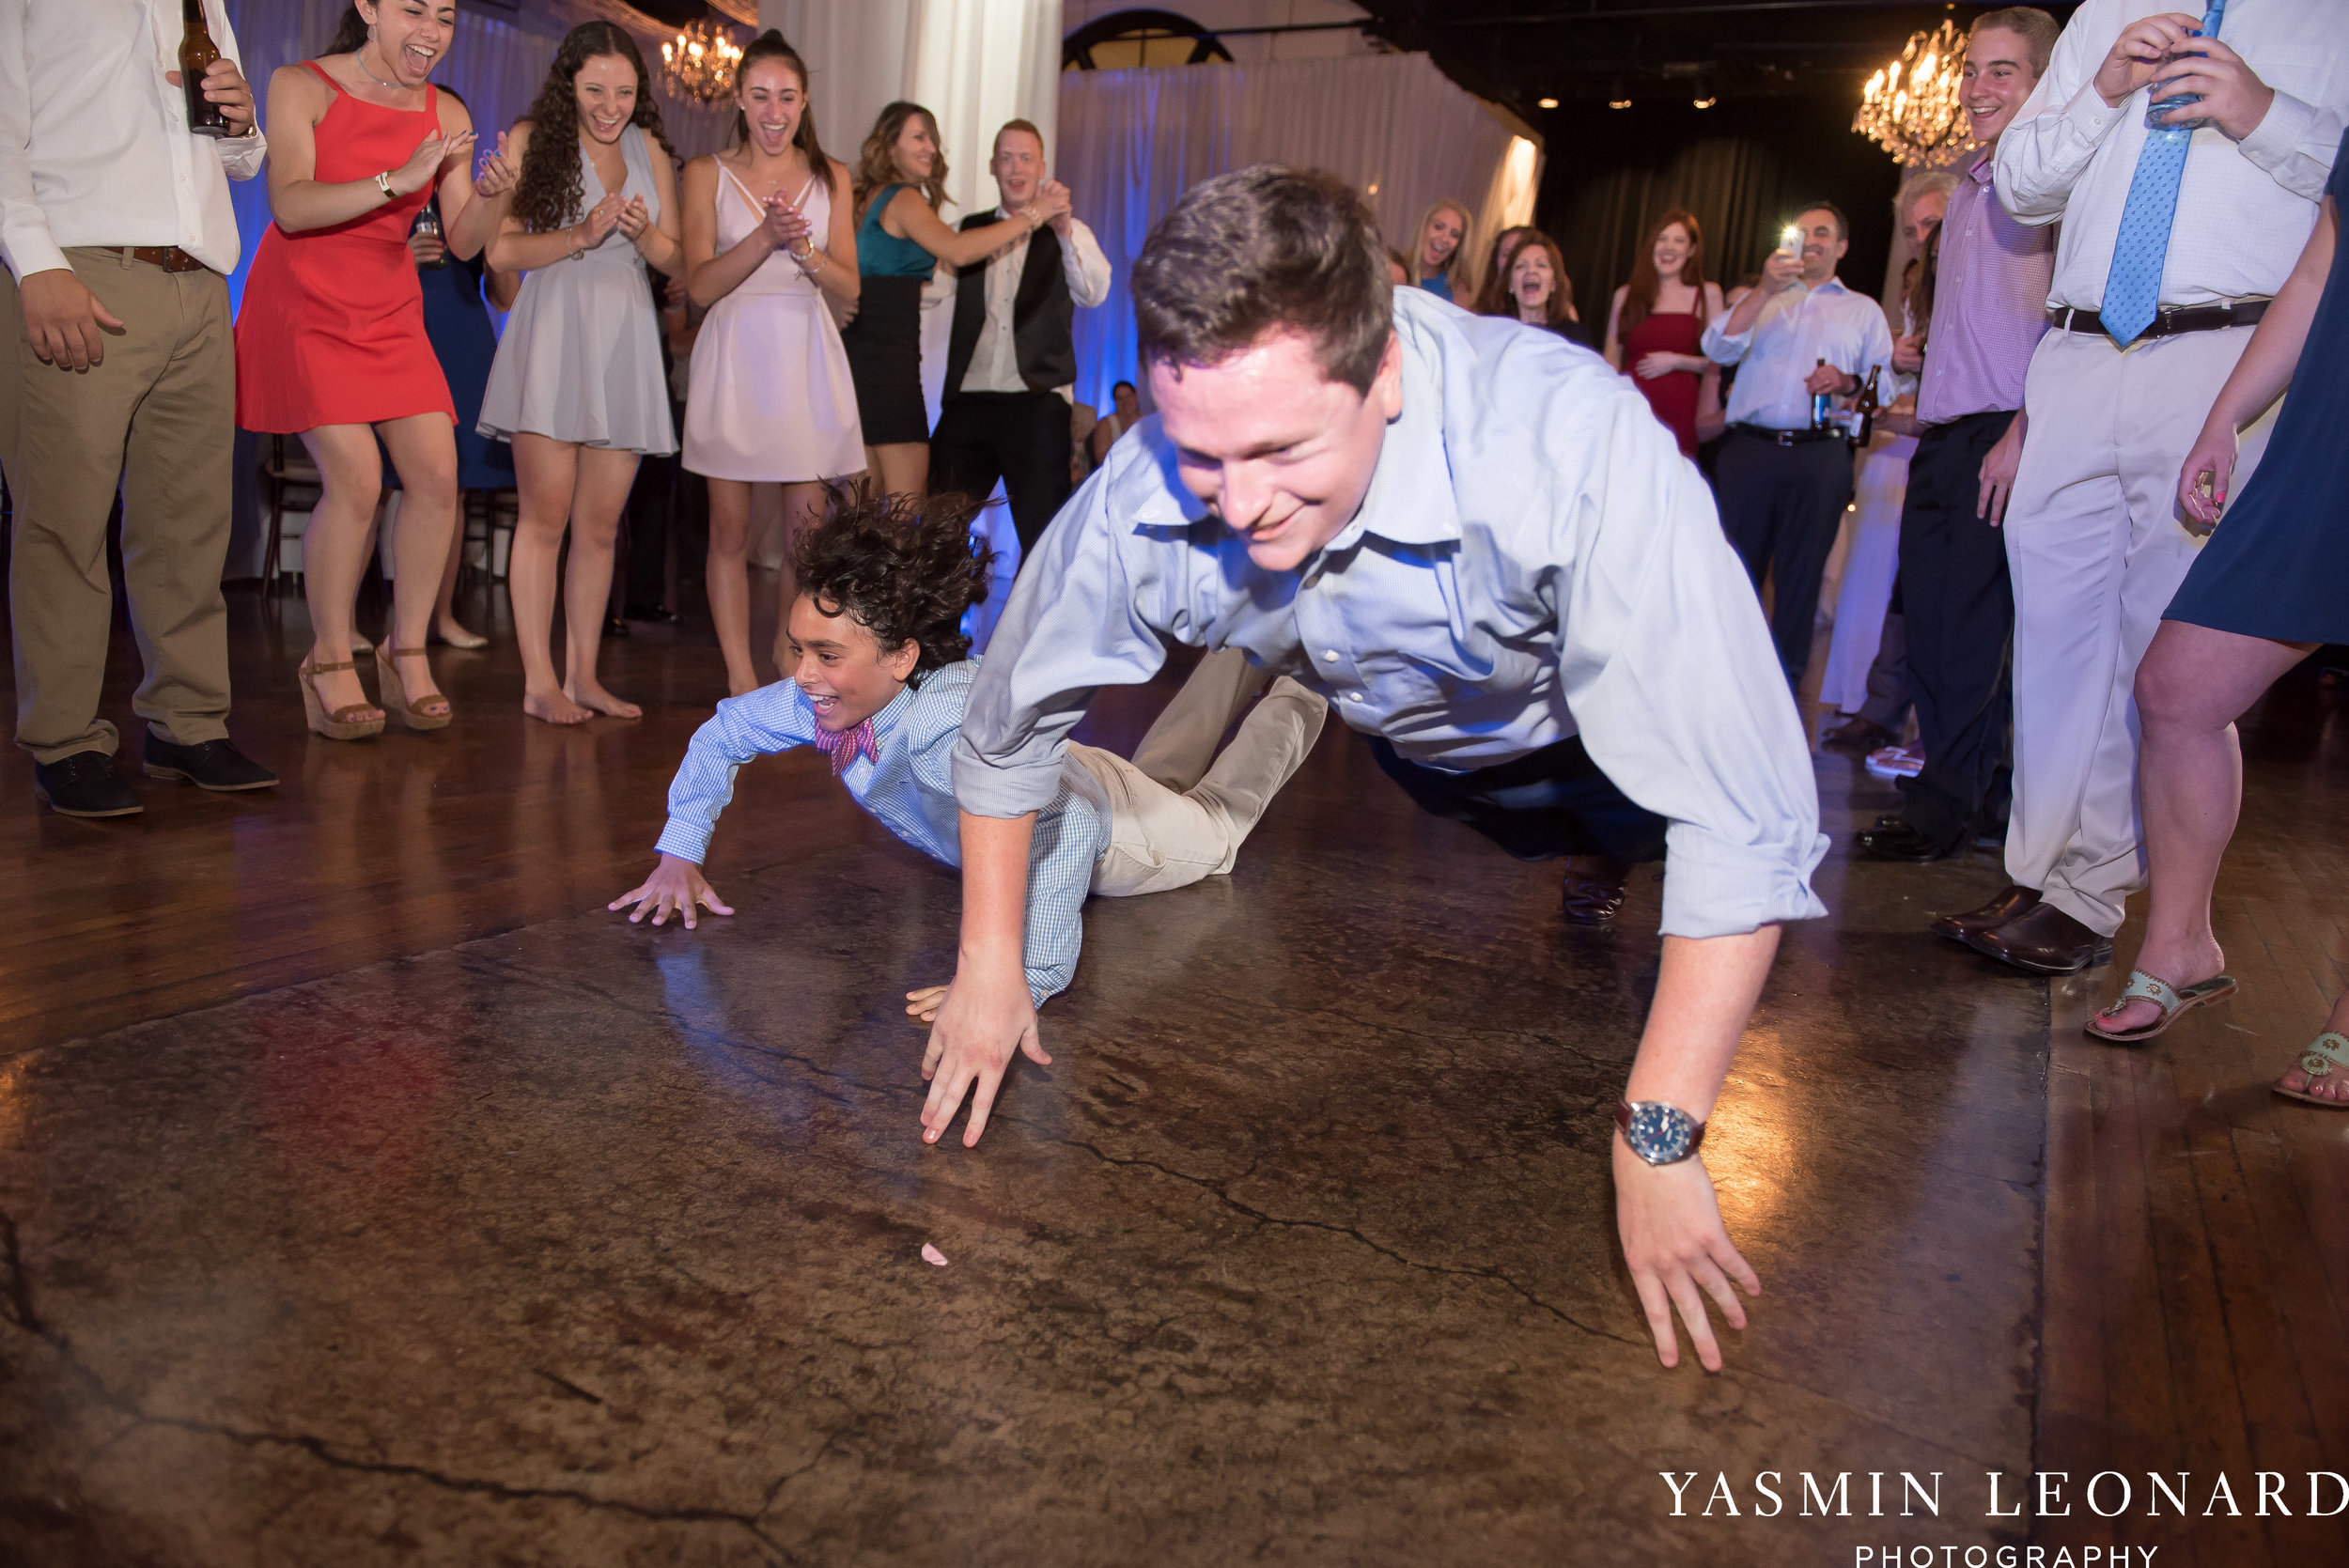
(2139, 250)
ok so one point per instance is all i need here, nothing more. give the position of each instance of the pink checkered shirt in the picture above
(1989, 303)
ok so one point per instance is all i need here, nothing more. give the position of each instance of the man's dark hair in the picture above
(1843, 225)
(902, 566)
(1129, 386)
(1263, 250)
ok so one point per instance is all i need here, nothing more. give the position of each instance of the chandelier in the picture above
(698, 66)
(1911, 106)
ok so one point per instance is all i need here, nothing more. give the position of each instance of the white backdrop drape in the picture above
(1390, 125)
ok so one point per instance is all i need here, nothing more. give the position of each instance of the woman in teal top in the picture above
(900, 239)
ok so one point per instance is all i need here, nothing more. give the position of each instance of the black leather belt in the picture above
(1787, 438)
(2167, 323)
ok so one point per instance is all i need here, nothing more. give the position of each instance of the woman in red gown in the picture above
(331, 342)
(1656, 323)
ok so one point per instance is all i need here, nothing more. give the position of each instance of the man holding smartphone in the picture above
(1783, 482)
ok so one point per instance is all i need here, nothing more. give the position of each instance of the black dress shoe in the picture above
(616, 626)
(2013, 902)
(213, 765)
(85, 784)
(1593, 895)
(1896, 840)
(2043, 940)
(1858, 734)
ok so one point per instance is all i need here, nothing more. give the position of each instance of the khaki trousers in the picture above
(156, 416)
(1189, 821)
(2096, 550)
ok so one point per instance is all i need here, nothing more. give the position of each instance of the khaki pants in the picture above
(1188, 821)
(156, 416)
(2095, 550)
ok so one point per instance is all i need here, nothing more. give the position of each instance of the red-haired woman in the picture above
(1655, 326)
(578, 386)
(331, 342)
(1536, 290)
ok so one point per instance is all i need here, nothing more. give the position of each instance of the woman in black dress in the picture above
(2269, 588)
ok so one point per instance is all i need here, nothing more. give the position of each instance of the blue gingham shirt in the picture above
(908, 788)
(1534, 559)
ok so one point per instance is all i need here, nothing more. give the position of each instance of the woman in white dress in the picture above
(770, 243)
(577, 386)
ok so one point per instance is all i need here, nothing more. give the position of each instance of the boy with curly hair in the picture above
(880, 675)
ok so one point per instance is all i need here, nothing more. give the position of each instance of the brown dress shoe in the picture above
(1593, 895)
(2043, 940)
(2013, 902)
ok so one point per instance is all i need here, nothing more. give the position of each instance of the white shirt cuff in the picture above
(2279, 134)
(31, 251)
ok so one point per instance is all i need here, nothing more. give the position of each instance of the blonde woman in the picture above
(1439, 252)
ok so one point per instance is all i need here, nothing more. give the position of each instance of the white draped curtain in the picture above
(1390, 125)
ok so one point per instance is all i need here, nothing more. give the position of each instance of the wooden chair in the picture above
(286, 469)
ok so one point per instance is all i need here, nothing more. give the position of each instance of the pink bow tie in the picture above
(844, 746)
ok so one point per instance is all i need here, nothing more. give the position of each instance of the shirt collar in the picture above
(1979, 170)
(1832, 286)
(1410, 499)
(893, 713)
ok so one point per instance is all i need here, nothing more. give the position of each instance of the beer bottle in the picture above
(196, 53)
(1870, 402)
(1822, 407)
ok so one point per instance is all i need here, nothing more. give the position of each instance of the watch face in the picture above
(1659, 1133)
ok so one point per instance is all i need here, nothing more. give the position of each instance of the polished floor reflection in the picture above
(368, 1195)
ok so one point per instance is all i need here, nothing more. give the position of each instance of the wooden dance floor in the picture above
(370, 1195)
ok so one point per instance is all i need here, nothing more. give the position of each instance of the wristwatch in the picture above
(1659, 1133)
(384, 184)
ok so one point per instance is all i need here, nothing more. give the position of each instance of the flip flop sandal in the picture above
(2161, 994)
(2330, 1053)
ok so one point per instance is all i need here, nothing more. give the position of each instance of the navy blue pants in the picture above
(1545, 805)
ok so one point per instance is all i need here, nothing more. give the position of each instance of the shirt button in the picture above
(1330, 656)
(1353, 696)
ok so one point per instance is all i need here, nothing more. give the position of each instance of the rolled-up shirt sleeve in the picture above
(757, 724)
(1669, 671)
(1079, 618)
(240, 156)
(1722, 349)
(1085, 267)
(2057, 130)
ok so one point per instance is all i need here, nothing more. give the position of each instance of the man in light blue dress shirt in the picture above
(1479, 543)
(1783, 484)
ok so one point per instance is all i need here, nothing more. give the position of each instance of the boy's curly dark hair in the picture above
(902, 566)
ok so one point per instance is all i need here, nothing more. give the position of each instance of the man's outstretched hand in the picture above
(985, 1018)
(1678, 1251)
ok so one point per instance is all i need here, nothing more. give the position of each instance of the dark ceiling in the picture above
(1519, 52)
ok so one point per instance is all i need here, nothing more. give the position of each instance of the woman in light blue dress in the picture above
(578, 386)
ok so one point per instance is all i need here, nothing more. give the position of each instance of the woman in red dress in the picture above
(1656, 324)
(331, 341)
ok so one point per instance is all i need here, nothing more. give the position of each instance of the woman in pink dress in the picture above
(769, 245)
(1656, 324)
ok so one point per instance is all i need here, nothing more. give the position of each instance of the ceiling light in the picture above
(1706, 102)
(1911, 107)
(1619, 103)
(1549, 103)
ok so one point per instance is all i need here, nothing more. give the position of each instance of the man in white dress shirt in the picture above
(115, 225)
(1783, 484)
(2150, 309)
(1012, 357)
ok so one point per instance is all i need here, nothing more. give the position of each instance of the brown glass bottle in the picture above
(1868, 407)
(196, 53)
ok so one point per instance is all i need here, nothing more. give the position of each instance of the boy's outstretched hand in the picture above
(923, 1005)
(675, 887)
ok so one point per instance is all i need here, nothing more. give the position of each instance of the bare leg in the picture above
(445, 622)
(901, 468)
(424, 450)
(727, 576)
(546, 475)
(802, 508)
(2190, 687)
(597, 501)
(334, 551)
